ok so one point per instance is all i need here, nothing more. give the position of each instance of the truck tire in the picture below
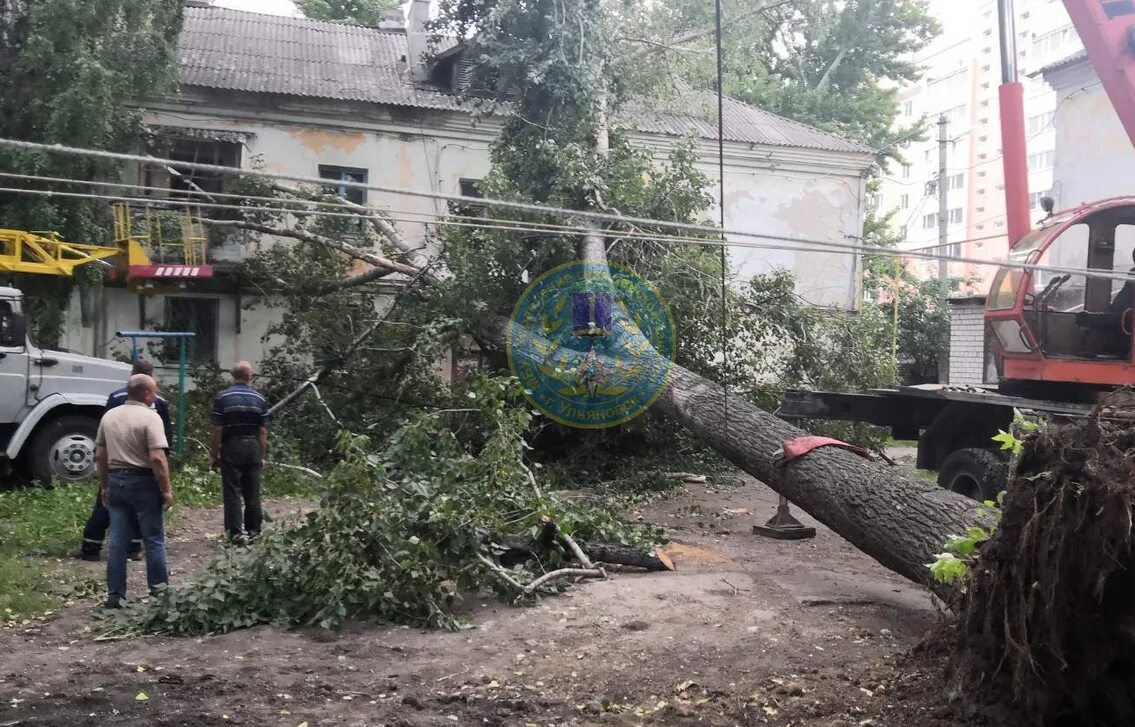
(973, 472)
(64, 449)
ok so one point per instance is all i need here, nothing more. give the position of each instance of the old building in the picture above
(1093, 155)
(341, 102)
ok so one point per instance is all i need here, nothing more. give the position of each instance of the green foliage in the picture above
(355, 12)
(1012, 441)
(786, 343)
(72, 72)
(961, 552)
(953, 565)
(829, 63)
(397, 536)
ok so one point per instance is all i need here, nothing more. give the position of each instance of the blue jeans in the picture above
(135, 495)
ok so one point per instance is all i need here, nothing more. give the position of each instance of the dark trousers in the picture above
(241, 464)
(135, 496)
(94, 532)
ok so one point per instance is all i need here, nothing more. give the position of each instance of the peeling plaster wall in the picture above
(798, 206)
(798, 194)
(1094, 157)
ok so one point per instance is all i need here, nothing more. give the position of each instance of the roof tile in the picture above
(242, 51)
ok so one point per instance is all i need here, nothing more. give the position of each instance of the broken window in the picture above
(181, 182)
(341, 177)
(198, 316)
(469, 188)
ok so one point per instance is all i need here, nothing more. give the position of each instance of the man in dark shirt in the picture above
(94, 532)
(240, 441)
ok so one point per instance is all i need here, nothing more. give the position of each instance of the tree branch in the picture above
(689, 37)
(380, 224)
(390, 266)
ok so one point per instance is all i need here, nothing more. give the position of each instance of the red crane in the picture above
(1067, 336)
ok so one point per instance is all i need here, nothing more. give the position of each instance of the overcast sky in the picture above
(273, 7)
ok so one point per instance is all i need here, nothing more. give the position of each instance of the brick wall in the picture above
(967, 341)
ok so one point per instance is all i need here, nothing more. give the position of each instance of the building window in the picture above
(956, 181)
(902, 231)
(357, 195)
(954, 249)
(908, 108)
(177, 181)
(906, 171)
(196, 315)
(931, 188)
(469, 188)
(954, 216)
(1040, 122)
(930, 221)
(904, 201)
(956, 115)
(1054, 41)
(1041, 161)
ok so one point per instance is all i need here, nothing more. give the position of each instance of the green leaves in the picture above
(397, 535)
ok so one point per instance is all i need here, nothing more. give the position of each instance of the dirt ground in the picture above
(748, 631)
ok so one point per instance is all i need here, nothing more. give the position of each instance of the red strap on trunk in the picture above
(801, 446)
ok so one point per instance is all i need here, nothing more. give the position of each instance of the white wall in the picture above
(1094, 157)
(778, 192)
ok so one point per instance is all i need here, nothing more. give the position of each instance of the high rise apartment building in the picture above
(962, 72)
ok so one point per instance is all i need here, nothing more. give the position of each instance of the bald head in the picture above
(139, 387)
(242, 372)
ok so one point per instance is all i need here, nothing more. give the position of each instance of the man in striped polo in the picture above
(240, 441)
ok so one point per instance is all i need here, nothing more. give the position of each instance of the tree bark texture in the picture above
(900, 521)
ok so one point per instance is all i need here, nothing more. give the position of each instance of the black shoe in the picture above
(112, 604)
(89, 557)
(135, 556)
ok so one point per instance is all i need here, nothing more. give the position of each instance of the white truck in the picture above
(50, 401)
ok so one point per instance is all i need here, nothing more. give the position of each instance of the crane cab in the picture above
(1076, 329)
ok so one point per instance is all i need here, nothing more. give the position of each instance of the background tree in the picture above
(72, 72)
(355, 12)
(832, 64)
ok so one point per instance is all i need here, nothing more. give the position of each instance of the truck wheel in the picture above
(976, 473)
(64, 449)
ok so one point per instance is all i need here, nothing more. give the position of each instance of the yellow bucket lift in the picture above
(143, 255)
(45, 253)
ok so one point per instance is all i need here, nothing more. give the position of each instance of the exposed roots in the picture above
(1048, 622)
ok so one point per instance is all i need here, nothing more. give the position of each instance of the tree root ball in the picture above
(1047, 623)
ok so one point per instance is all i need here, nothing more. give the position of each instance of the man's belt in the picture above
(130, 471)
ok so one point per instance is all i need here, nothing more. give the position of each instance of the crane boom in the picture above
(45, 254)
(1107, 29)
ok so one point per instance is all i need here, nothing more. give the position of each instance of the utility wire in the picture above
(716, 233)
(818, 246)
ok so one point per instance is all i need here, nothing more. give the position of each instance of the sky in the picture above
(272, 7)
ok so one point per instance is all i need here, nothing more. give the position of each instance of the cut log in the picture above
(655, 559)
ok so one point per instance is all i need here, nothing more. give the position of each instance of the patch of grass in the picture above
(40, 523)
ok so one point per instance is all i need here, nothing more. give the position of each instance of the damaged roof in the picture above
(234, 50)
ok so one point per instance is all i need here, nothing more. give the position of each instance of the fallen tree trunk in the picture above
(899, 521)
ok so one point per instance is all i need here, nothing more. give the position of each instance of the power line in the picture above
(524, 206)
(715, 241)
